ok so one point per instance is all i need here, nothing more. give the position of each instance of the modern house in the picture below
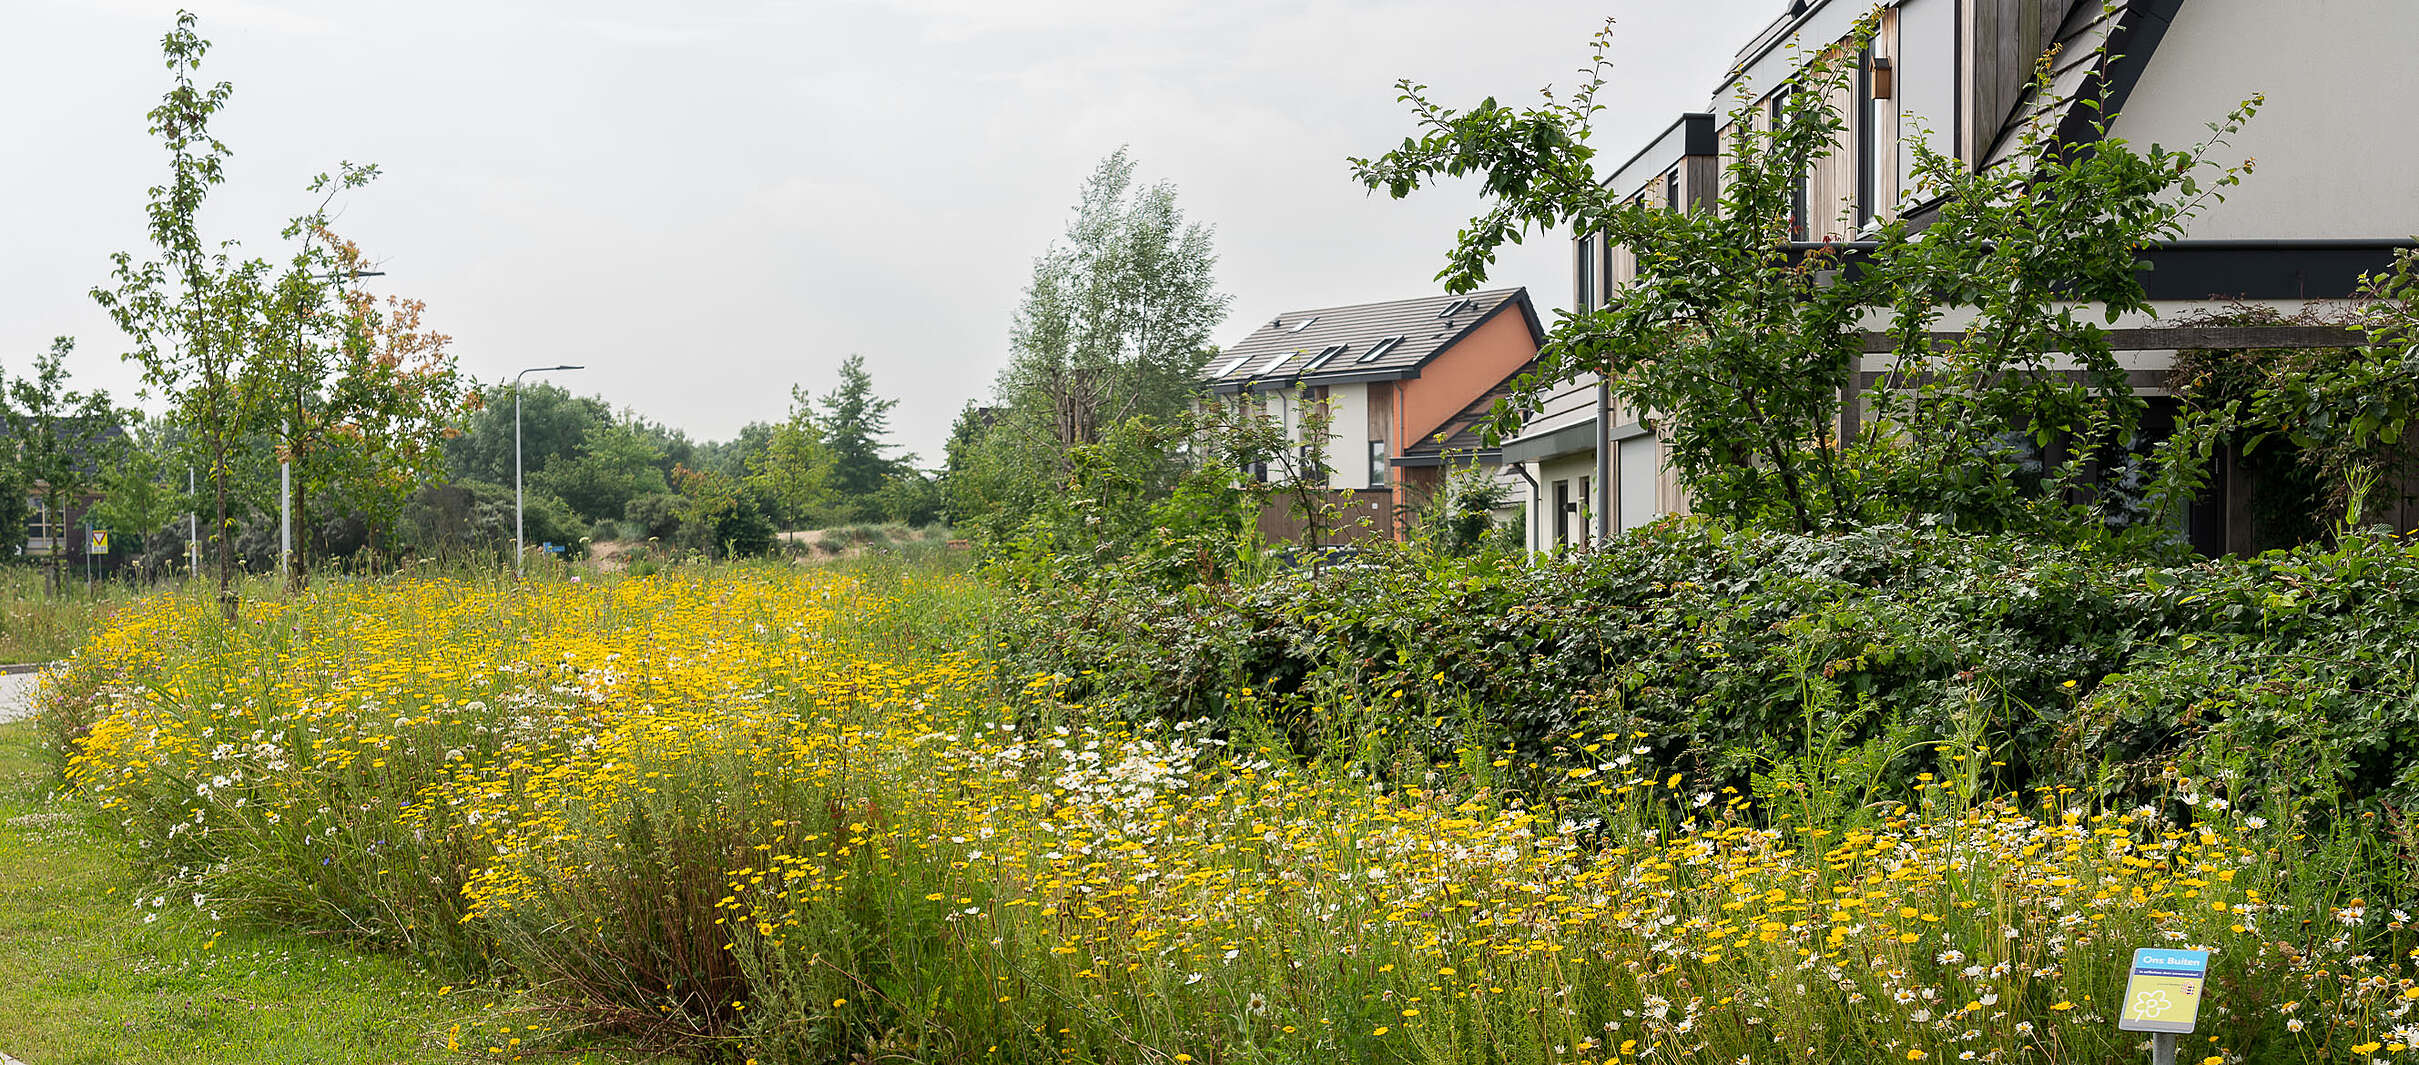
(1402, 383)
(55, 527)
(2333, 195)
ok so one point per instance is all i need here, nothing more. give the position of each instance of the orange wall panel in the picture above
(1463, 373)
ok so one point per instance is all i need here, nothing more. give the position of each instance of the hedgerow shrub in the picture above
(1722, 647)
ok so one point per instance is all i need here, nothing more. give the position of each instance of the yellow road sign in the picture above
(100, 542)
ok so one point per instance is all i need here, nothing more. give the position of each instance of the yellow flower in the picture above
(2063, 1006)
(2369, 1047)
(1381, 1030)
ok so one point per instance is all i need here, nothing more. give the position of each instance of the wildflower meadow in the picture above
(786, 814)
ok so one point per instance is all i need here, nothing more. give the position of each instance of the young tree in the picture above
(1116, 320)
(194, 312)
(854, 422)
(792, 468)
(61, 440)
(388, 408)
(361, 393)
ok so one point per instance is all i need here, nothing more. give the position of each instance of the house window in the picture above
(42, 529)
(1562, 514)
(1306, 460)
(1585, 297)
(1671, 191)
(1797, 188)
(1640, 461)
(1864, 139)
(1583, 511)
(1377, 464)
(1326, 355)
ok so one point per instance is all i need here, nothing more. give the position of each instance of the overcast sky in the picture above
(708, 202)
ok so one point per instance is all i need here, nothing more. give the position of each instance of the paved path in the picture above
(16, 702)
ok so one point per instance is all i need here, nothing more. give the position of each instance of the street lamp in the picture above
(517, 547)
(285, 466)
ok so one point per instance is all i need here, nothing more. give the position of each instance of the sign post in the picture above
(2163, 997)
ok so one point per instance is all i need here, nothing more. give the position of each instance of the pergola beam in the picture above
(2180, 338)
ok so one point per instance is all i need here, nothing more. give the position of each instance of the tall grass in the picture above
(796, 814)
(38, 625)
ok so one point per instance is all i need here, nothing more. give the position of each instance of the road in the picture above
(16, 703)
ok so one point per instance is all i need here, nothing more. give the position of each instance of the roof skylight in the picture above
(1379, 349)
(1231, 367)
(1325, 356)
(1274, 361)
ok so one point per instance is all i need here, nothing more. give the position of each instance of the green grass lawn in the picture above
(85, 979)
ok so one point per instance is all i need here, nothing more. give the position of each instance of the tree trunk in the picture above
(299, 578)
(227, 599)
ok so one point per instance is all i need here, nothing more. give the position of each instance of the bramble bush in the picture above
(2073, 666)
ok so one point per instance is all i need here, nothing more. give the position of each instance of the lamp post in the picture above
(517, 547)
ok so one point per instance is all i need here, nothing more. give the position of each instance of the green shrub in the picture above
(1722, 647)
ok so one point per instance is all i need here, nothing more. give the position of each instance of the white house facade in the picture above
(2334, 191)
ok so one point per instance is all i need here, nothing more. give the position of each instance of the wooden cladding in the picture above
(2003, 39)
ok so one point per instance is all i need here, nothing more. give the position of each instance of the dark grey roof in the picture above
(1361, 342)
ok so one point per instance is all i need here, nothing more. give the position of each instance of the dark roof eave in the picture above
(1397, 373)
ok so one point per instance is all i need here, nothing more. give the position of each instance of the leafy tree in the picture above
(194, 312)
(791, 468)
(142, 489)
(388, 410)
(554, 424)
(854, 422)
(616, 463)
(61, 439)
(724, 519)
(1115, 326)
(301, 341)
(733, 457)
(363, 392)
(910, 497)
(1743, 346)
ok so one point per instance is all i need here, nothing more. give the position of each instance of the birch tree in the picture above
(1116, 320)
